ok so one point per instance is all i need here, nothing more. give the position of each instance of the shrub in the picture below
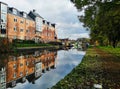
(5, 45)
(23, 41)
(55, 43)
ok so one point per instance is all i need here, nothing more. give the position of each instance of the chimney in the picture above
(33, 10)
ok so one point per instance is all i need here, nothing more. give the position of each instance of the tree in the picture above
(102, 17)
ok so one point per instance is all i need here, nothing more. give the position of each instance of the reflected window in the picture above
(21, 64)
(2, 78)
(33, 62)
(26, 71)
(21, 73)
(14, 75)
(14, 66)
(27, 56)
(14, 58)
(48, 58)
(27, 63)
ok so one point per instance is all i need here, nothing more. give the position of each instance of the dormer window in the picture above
(48, 23)
(53, 25)
(15, 11)
(43, 21)
(24, 15)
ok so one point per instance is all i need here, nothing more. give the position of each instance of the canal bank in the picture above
(27, 49)
(100, 68)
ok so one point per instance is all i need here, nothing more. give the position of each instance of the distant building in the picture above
(15, 24)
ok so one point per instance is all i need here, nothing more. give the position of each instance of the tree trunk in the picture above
(114, 43)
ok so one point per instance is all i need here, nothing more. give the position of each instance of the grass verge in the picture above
(97, 67)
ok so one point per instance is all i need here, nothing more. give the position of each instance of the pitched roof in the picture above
(33, 14)
(19, 13)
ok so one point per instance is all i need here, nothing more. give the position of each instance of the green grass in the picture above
(93, 70)
(113, 51)
(83, 75)
(32, 45)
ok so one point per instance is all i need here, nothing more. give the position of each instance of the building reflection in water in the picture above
(16, 69)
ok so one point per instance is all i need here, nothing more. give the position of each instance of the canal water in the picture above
(37, 70)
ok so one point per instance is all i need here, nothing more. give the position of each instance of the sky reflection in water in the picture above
(65, 62)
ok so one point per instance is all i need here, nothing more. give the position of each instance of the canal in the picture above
(37, 70)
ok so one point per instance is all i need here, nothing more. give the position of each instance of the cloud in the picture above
(81, 35)
(63, 13)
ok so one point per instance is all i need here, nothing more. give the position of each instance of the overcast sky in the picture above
(61, 12)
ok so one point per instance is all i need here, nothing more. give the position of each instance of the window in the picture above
(15, 29)
(24, 15)
(27, 31)
(3, 8)
(21, 30)
(15, 20)
(15, 11)
(47, 28)
(33, 31)
(3, 29)
(3, 18)
(27, 23)
(21, 21)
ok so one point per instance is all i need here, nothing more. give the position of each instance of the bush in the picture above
(5, 45)
(55, 43)
(23, 41)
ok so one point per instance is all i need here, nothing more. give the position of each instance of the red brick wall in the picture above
(48, 33)
(25, 25)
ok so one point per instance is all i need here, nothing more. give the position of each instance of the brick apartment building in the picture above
(16, 24)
